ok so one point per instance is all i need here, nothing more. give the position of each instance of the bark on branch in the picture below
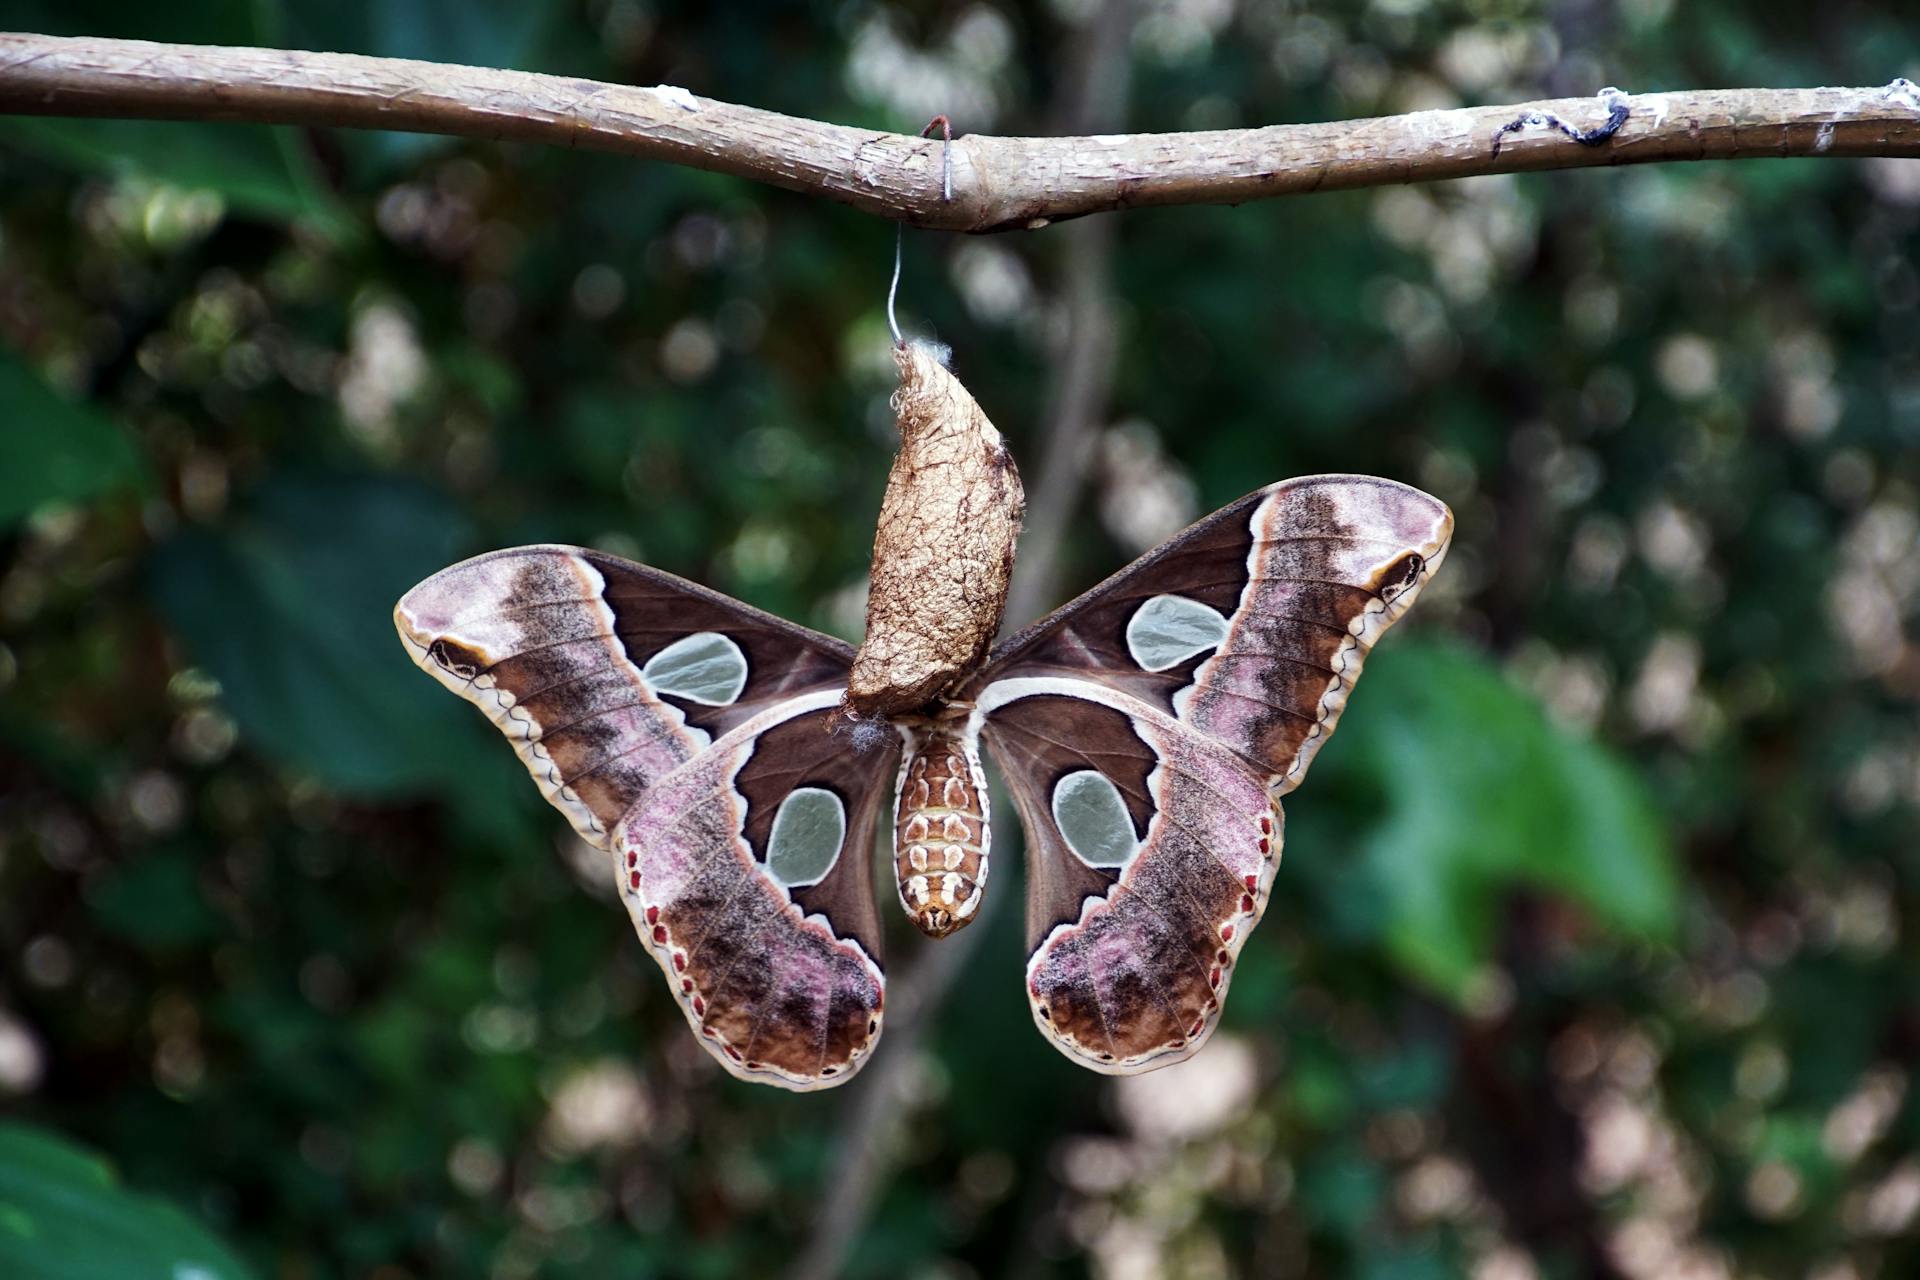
(998, 183)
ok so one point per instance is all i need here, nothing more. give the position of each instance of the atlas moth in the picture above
(1146, 731)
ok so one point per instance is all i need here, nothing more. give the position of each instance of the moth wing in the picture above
(688, 734)
(1151, 850)
(1251, 626)
(748, 871)
(1148, 728)
(606, 675)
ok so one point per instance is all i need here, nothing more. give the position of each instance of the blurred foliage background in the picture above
(1593, 954)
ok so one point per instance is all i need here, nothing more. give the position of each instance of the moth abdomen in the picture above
(941, 829)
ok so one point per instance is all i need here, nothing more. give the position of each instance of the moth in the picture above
(1146, 731)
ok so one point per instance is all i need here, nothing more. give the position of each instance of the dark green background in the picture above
(1593, 951)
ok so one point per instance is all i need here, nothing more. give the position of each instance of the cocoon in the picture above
(943, 548)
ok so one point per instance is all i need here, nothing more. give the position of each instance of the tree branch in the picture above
(998, 183)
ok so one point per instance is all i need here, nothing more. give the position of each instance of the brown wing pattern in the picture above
(689, 735)
(1251, 626)
(1148, 729)
(778, 971)
(573, 655)
(1131, 952)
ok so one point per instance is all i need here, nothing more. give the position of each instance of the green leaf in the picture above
(54, 450)
(446, 31)
(1342, 1188)
(290, 608)
(154, 900)
(454, 31)
(1481, 794)
(1392, 1263)
(255, 169)
(192, 22)
(64, 1216)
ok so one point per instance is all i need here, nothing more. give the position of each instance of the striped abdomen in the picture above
(940, 830)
